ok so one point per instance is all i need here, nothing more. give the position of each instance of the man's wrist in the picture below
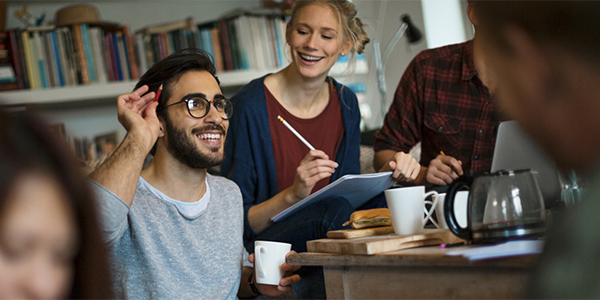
(252, 284)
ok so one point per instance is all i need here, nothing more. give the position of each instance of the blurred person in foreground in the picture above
(546, 55)
(50, 243)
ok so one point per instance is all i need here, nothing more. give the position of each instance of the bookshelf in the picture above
(78, 95)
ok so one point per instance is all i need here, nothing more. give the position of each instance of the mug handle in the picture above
(261, 250)
(428, 213)
(431, 219)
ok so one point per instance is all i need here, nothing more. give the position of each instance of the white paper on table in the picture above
(513, 248)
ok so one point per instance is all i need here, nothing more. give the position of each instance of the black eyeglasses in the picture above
(199, 107)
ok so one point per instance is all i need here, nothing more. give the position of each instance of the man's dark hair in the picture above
(170, 69)
(568, 24)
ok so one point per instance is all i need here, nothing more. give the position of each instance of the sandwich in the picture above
(370, 218)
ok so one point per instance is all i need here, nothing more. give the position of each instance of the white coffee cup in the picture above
(268, 258)
(460, 210)
(406, 207)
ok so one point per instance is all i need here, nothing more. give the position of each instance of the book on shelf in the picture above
(29, 61)
(40, 58)
(83, 70)
(8, 77)
(14, 52)
(131, 54)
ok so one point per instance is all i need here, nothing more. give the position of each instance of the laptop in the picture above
(515, 150)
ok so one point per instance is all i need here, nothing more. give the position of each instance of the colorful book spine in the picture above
(123, 56)
(40, 59)
(88, 52)
(13, 35)
(131, 53)
(82, 61)
(32, 65)
(29, 44)
(116, 57)
(110, 62)
(216, 46)
(56, 58)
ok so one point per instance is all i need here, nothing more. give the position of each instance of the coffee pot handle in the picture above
(461, 182)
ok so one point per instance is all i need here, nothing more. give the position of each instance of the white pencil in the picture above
(295, 133)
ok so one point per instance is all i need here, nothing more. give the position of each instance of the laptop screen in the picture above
(515, 150)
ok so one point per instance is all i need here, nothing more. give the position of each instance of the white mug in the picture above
(268, 258)
(406, 207)
(460, 210)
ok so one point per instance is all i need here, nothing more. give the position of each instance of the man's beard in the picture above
(186, 151)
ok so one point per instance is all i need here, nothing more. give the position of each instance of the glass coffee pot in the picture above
(503, 205)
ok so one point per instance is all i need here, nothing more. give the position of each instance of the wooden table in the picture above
(419, 273)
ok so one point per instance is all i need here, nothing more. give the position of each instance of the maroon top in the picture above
(441, 102)
(324, 132)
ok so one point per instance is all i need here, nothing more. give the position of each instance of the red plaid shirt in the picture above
(442, 103)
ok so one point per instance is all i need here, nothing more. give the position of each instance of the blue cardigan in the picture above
(249, 158)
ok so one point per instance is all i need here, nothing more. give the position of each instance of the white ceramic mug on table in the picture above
(406, 207)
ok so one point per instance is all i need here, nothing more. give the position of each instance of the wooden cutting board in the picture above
(383, 243)
(354, 233)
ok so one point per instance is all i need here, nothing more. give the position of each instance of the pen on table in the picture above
(158, 93)
(296, 133)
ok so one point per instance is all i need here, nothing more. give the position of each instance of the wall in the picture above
(382, 19)
(91, 119)
(137, 13)
(443, 22)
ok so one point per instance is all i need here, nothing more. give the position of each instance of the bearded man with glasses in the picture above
(174, 230)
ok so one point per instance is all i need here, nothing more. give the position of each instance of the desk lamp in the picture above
(412, 34)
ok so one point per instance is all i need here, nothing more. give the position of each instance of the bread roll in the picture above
(370, 218)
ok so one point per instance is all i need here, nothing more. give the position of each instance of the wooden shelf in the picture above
(111, 90)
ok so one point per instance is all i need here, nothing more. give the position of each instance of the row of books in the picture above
(91, 152)
(46, 57)
(240, 40)
(50, 56)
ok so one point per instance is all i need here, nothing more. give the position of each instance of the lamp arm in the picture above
(380, 63)
(390, 46)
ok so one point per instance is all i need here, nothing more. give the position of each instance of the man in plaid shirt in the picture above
(445, 100)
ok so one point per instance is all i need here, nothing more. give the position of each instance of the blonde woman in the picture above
(273, 168)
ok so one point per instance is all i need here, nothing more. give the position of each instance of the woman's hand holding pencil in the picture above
(314, 167)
